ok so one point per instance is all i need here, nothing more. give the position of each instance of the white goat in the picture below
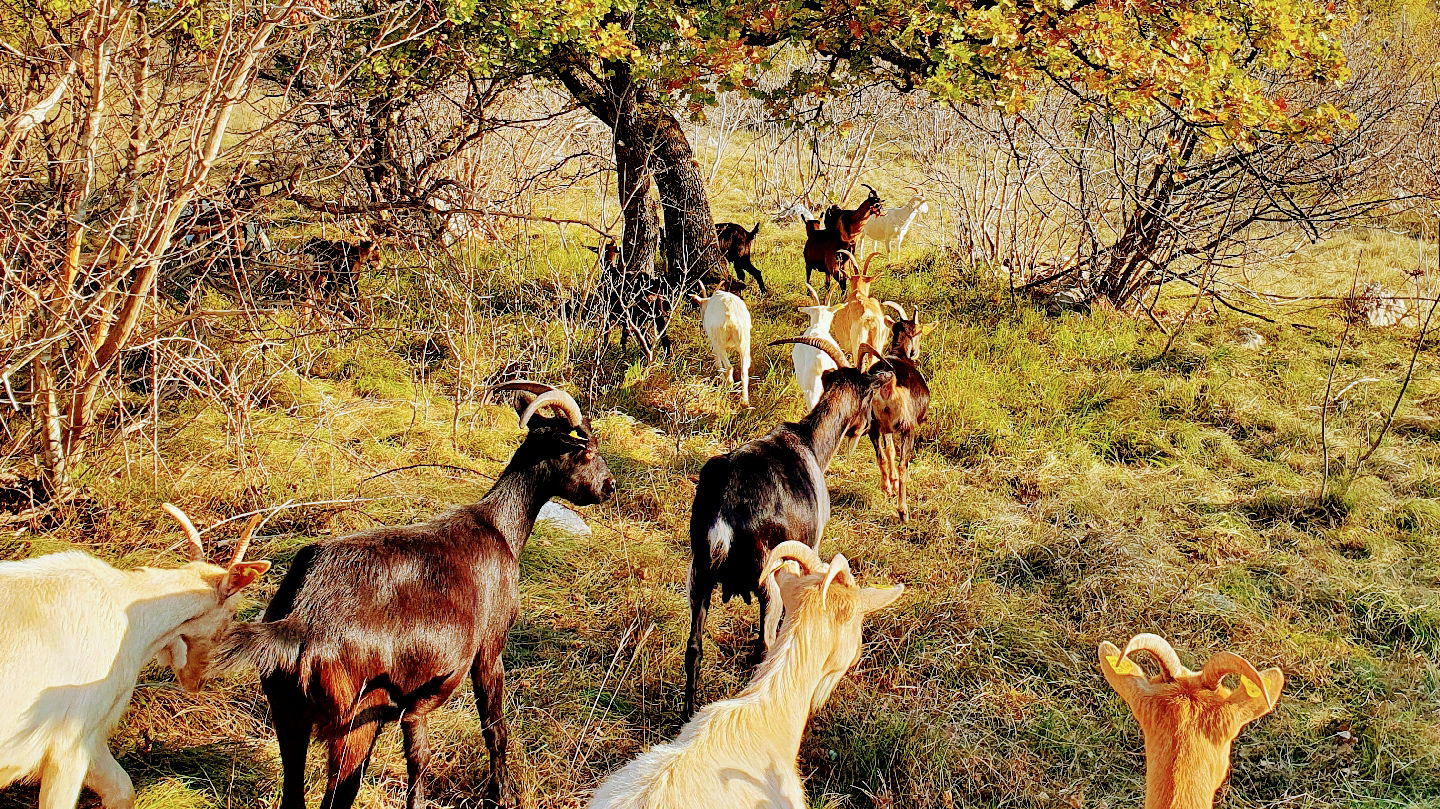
(812, 363)
(76, 634)
(891, 226)
(742, 751)
(726, 321)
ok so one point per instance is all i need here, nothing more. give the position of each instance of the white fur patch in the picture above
(719, 537)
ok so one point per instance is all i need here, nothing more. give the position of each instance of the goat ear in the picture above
(174, 655)
(1254, 705)
(242, 575)
(1127, 678)
(878, 598)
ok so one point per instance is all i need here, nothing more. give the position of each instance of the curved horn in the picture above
(866, 269)
(914, 188)
(917, 317)
(836, 352)
(1161, 650)
(554, 398)
(525, 385)
(1223, 663)
(792, 550)
(873, 192)
(813, 294)
(899, 310)
(849, 256)
(838, 567)
(243, 543)
(866, 348)
(196, 548)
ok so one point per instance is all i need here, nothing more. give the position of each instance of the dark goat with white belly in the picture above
(383, 625)
(765, 492)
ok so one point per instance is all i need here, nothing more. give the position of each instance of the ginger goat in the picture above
(861, 320)
(1189, 719)
(742, 752)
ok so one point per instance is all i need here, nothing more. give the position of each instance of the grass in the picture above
(1074, 485)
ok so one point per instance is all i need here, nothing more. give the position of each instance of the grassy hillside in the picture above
(1075, 484)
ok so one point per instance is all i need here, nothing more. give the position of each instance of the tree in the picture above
(1223, 67)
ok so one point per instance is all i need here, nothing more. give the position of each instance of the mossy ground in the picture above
(1074, 484)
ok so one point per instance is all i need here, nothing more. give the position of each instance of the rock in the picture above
(1249, 338)
(1214, 603)
(1071, 299)
(563, 519)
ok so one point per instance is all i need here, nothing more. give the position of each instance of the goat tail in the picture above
(268, 647)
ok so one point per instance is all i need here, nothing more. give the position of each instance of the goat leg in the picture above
(416, 734)
(61, 779)
(292, 730)
(349, 752)
(109, 780)
(694, 650)
(487, 674)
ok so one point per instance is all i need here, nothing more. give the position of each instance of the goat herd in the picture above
(383, 625)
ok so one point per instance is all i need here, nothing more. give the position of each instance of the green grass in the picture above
(1074, 485)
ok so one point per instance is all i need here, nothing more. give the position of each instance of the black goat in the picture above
(765, 492)
(736, 243)
(382, 625)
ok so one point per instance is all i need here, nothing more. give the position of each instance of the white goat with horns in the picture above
(742, 751)
(76, 634)
(812, 363)
(889, 228)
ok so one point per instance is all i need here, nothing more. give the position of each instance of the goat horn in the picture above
(554, 398)
(900, 310)
(866, 269)
(1161, 650)
(838, 567)
(792, 550)
(873, 192)
(866, 348)
(836, 352)
(525, 385)
(196, 548)
(813, 294)
(243, 543)
(849, 256)
(1223, 663)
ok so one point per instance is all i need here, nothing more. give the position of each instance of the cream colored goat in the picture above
(75, 635)
(861, 320)
(889, 228)
(1189, 719)
(726, 322)
(741, 752)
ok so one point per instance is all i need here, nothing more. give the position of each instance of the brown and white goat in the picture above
(75, 635)
(1189, 719)
(383, 625)
(765, 492)
(741, 752)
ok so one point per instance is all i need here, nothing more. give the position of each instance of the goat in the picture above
(336, 268)
(632, 302)
(736, 243)
(1189, 719)
(742, 751)
(892, 225)
(898, 410)
(76, 634)
(838, 233)
(765, 492)
(811, 363)
(726, 321)
(382, 625)
(861, 320)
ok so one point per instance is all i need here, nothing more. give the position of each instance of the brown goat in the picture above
(383, 625)
(1189, 719)
(838, 232)
(898, 410)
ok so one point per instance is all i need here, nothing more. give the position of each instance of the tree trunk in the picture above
(691, 252)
